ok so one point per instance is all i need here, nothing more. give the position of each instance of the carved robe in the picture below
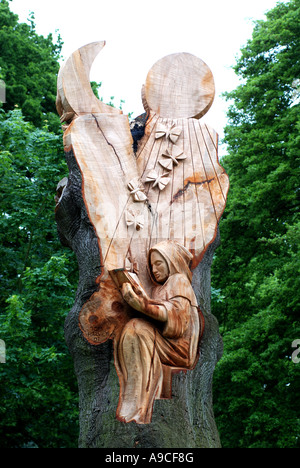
(146, 346)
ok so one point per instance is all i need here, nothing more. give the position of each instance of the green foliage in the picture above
(259, 386)
(38, 390)
(95, 88)
(38, 405)
(38, 278)
(29, 67)
(32, 162)
(257, 266)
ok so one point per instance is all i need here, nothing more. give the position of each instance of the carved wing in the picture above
(179, 90)
(100, 137)
(185, 203)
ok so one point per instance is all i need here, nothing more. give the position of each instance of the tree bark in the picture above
(185, 421)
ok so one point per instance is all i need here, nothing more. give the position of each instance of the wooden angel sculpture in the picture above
(165, 199)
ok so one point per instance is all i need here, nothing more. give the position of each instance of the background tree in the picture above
(38, 281)
(38, 389)
(255, 272)
(257, 266)
(29, 67)
(38, 392)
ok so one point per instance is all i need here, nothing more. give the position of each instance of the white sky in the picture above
(138, 33)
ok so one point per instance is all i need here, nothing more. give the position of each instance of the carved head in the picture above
(168, 258)
(159, 267)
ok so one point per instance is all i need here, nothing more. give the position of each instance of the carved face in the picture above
(159, 267)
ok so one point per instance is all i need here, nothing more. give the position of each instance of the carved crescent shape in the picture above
(74, 93)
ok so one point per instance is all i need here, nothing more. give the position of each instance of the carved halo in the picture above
(179, 86)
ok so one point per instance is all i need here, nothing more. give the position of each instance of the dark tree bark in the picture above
(185, 421)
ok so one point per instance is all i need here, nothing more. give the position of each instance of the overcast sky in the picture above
(138, 33)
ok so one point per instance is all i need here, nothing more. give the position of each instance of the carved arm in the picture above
(142, 303)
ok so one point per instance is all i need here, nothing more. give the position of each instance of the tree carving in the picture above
(144, 225)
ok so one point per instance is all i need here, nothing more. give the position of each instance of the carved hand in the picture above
(138, 302)
(142, 303)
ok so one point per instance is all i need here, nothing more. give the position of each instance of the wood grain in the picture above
(74, 93)
(179, 85)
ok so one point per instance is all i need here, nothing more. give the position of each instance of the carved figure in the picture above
(162, 202)
(170, 338)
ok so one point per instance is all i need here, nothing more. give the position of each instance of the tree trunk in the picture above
(186, 420)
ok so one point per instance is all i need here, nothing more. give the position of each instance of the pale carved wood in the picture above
(74, 94)
(179, 86)
(169, 196)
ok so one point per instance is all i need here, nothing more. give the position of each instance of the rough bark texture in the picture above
(186, 421)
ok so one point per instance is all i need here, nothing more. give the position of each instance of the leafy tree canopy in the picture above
(39, 401)
(29, 67)
(38, 282)
(256, 269)
(38, 391)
